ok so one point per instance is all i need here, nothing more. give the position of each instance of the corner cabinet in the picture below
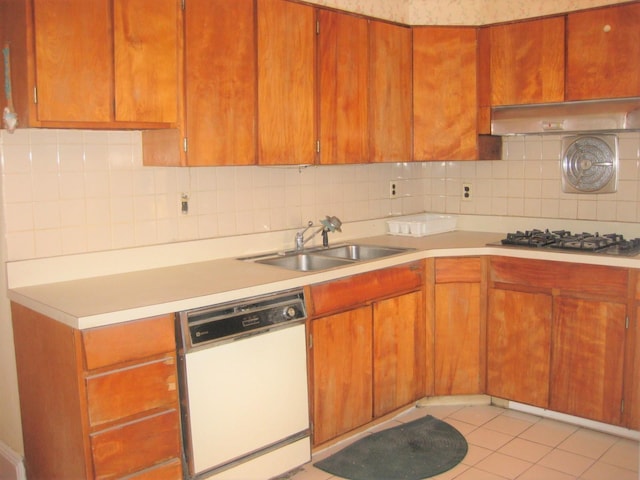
(556, 336)
(99, 64)
(459, 326)
(366, 348)
(98, 403)
(446, 97)
(603, 52)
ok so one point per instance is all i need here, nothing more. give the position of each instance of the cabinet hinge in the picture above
(318, 146)
(622, 406)
(311, 428)
(626, 323)
(35, 95)
(184, 144)
(317, 27)
(310, 341)
(182, 2)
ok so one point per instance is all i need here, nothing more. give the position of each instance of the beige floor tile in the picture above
(538, 472)
(624, 453)
(504, 465)
(602, 471)
(548, 432)
(486, 438)
(566, 462)
(527, 417)
(451, 474)
(464, 428)
(476, 474)
(508, 425)
(475, 454)
(588, 443)
(477, 415)
(309, 472)
(412, 414)
(441, 411)
(525, 450)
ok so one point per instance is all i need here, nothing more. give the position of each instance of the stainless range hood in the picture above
(568, 117)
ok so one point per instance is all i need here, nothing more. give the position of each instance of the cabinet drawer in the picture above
(131, 391)
(596, 280)
(136, 445)
(128, 341)
(453, 270)
(171, 470)
(360, 289)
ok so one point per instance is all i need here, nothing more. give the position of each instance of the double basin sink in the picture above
(325, 258)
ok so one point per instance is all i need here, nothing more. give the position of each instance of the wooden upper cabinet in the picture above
(286, 83)
(106, 63)
(73, 60)
(391, 92)
(445, 97)
(146, 60)
(343, 46)
(603, 53)
(220, 81)
(527, 62)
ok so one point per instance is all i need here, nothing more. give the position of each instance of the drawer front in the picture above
(171, 470)
(360, 289)
(581, 279)
(136, 446)
(130, 391)
(458, 270)
(128, 341)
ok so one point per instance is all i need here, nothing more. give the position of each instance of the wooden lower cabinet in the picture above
(98, 403)
(367, 359)
(588, 358)
(459, 334)
(558, 337)
(518, 346)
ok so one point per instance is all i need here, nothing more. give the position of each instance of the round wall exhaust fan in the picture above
(590, 164)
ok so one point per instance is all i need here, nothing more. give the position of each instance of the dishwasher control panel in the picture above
(237, 319)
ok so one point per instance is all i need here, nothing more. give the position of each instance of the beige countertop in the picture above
(107, 299)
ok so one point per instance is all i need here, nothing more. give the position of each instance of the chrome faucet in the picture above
(329, 224)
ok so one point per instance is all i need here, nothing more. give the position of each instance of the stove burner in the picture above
(611, 243)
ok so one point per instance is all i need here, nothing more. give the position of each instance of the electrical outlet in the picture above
(184, 203)
(466, 191)
(393, 189)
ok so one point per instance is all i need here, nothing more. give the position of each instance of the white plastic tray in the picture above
(421, 224)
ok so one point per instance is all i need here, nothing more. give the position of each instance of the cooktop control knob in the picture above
(290, 312)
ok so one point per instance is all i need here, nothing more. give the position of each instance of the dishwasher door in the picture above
(247, 398)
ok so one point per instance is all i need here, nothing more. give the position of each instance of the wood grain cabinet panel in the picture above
(588, 358)
(445, 93)
(220, 82)
(603, 52)
(518, 346)
(342, 373)
(343, 46)
(391, 92)
(527, 62)
(286, 83)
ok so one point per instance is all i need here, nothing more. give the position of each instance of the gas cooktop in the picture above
(611, 243)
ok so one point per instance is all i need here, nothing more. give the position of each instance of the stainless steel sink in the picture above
(361, 252)
(325, 258)
(304, 262)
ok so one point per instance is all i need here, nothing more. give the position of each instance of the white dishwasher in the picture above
(243, 387)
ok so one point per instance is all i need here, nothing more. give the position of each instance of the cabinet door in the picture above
(445, 99)
(391, 92)
(457, 334)
(342, 373)
(221, 83)
(527, 62)
(146, 60)
(399, 333)
(344, 88)
(74, 60)
(587, 358)
(518, 346)
(286, 83)
(603, 52)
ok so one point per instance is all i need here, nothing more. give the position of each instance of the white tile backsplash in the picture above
(74, 191)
